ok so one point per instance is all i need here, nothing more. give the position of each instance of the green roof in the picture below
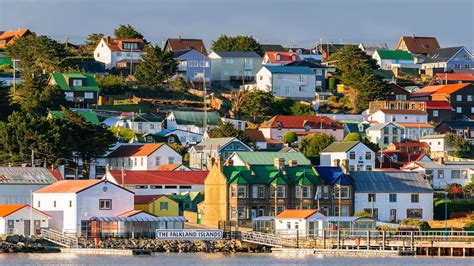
(6, 61)
(89, 116)
(340, 146)
(394, 55)
(60, 80)
(196, 118)
(354, 128)
(267, 158)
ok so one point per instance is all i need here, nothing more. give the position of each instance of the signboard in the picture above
(189, 234)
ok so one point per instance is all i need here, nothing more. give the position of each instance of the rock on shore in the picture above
(17, 243)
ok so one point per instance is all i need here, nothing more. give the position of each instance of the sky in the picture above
(299, 23)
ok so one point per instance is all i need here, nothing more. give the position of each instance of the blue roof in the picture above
(333, 175)
(164, 132)
(290, 69)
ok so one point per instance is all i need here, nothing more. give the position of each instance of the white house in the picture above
(142, 156)
(413, 131)
(443, 173)
(15, 219)
(110, 50)
(191, 121)
(388, 59)
(17, 183)
(157, 182)
(72, 203)
(393, 196)
(383, 134)
(296, 82)
(185, 137)
(140, 122)
(359, 156)
(302, 222)
(438, 146)
(399, 116)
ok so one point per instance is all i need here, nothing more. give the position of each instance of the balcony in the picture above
(239, 78)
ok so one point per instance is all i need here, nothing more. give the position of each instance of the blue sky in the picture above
(288, 22)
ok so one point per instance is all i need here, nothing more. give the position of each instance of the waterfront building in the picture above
(159, 205)
(22, 219)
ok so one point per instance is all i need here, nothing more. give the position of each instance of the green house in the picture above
(81, 90)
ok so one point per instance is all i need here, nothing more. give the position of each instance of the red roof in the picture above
(147, 199)
(451, 88)
(416, 125)
(281, 57)
(411, 144)
(454, 76)
(116, 44)
(56, 174)
(419, 44)
(7, 209)
(296, 214)
(438, 105)
(134, 177)
(134, 150)
(299, 122)
(402, 112)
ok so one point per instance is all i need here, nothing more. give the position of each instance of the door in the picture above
(37, 227)
(10, 227)
(393, 215)
(27, 227)
(254, 212)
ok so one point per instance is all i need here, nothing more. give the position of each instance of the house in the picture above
(424, 94)
(9, 37)
(81, 90)
(383, 134)
(441, 173)
(438, 146)
(185, 137)
(188, 201)
(398, 93)
(234, 68)
(17, 183)
(447, 59)
(181, 44)
(142, 156)
(399, 116)
(192, 121)
(359, 156)
(193, 66)
(112, 50)
(460, 96)
(243, 158)
(309, 55)
(393, 196)
(370, 48)
(414, 131)
(159, 205)
(293, 223)
(389, 59)
(256, 136)
(173, 167)
(279, 58)
(336, 195)
(154, 138)
(319, 69)
(439, 111)
(201, 154)
(242, 193)
(89, 116)
(359, 128)
(452, 78)
(410, 147)
(138, 122)
(288, 81)
(157, 182)
(15, 219)
(302, 125)
(73, 203)
(237, 123)
(418, 45)
(458, 127)
(127, 67)
(395, 159)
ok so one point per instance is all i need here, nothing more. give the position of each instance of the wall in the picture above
(19, 217)
(398, 118)
(214, 206)
(105, 54)
(63, 217)
(164, 152)
(17, 193)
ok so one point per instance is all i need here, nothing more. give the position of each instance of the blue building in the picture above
(193, 66)
(448, 59)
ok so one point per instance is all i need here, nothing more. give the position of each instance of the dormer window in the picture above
(77, 82)
(293, 58)
(279, 125)
(278, 57)
(149, 139)
(361, 128)
(130, 46)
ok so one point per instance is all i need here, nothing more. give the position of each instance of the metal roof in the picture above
(241, 54)
(390, 182)
(26, 175)
(137, 219)
(268, 158)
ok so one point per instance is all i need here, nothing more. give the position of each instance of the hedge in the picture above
(453, 206)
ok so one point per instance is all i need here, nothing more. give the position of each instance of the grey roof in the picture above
(378, 126)
(442, 54)
(26, 175)
(433, 136)
(179, 53)
(446, 165)
(213, 143)
(138, 219)
(237, 54)
(458, 124)
(388, 182)
(273, 48)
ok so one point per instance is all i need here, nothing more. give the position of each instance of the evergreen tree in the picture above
(312, 145)
(237, 43)
(156, 67)
(92, 41)
(258, 105)
(127, 32)
(226, 130)
(289, 137)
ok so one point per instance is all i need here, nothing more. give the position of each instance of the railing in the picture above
(59, 238)
(261, 238)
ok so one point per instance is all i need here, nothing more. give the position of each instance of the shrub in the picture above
(362, 213)
(414, 222)
(469, 224)
(453, 206)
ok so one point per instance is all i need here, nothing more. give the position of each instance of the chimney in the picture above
(179, 37)
(441, 160)
(293, 163)
(336, 162)
(279, 163)
(108, 39)
(345, 166)
(230, 162)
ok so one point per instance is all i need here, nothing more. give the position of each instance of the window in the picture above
(242, 192)
(441, 174)
(185, 187)
(368, 155)
(129, 46)
(233, 192)
(459, 98)
(254, 192)
(193, 63)
(319, 72)
(229, 61)
(140, 125)
(288, 225)
(459, 110)
(242, 212)
(392, 198)
(319, 83)
(155, 187)
(371, 197)
(400, 97)
(435, 113)
(171, 187)
(325, 192)
(233, 212)
(344, 191)
(302, 192)
(455, 173)
(69, 94)
(368, 168)
(171, 160)
(152, 126)
(88, 95)
(281, 192)
(163, 205)
(141, 161)
(415, 198)
(414, 213)
(464, 174)
(472, 110)
(98, 54)
(157, 161)
(141, 186)
(105, 204)
(54, 204)
(469, 98)
(261, 192)
(352, 155)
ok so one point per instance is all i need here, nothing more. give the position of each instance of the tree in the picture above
(237, 43)
(257, 105)
(6, 107)
(289, 137)
(238, 98)
(111, 85)
(127, 32)
(38, 100)
(92, 41)
(227, 130)
(352, 137)
(179, 85)
(156, 67)
(312, 145)
(362, 214)
(462, 147)
(357, 73)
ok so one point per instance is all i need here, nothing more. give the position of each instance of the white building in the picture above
(141, 122)
(438, 146)
(142, 156)
(191, 121)
(157, 182)
(389, 59)
(399, 116)
(359, 156)
(383, 134)
(72, 203)
(289, 223)
(443, 173)
(15, 219)
(287, 81)
(17, 183)
(110, 50)
(393, 196)
(185, 137)
(413, 131)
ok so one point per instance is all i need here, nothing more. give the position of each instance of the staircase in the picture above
(59, 238)
(262, 239)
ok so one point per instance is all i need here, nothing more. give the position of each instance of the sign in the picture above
(189, 234)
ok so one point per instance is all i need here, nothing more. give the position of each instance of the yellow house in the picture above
(159, 205)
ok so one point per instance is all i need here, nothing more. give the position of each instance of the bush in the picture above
(418, 223)
(352, 137)
(362, 213)
(453, 206)
(469, 224)
(289, 137)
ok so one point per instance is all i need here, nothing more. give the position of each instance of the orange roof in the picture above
(116, 44)
(296, 214)
(10, 36)
(7, 209)
(56, 174)
(131, 213)
(451, 88)
(284, 57)
(413, 125)
(455, 76)
(426, 91)
(168, 167)
(135, 150)
(69, 186)
(299, 121)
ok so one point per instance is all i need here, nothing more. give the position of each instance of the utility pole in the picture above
(131, 61)
(205, 104)
(32, 158)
